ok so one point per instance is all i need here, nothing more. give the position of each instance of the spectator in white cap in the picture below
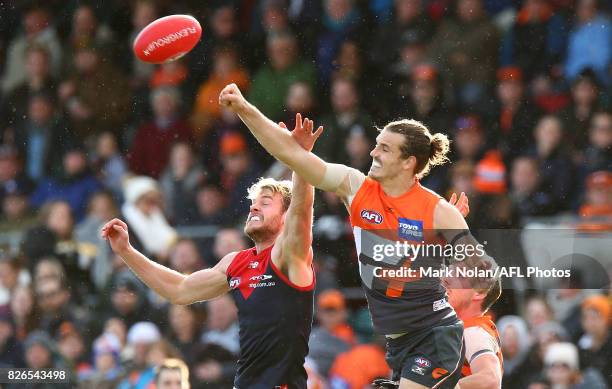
(563, 369)
(143, 213)
(141, 337)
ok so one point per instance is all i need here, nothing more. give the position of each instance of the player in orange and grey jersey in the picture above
(389, 205)
(471, 298)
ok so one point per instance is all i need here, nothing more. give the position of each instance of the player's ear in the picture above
(409, 163)
(479, 296)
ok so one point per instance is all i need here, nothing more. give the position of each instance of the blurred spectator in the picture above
(341, 20)
(468, 139)
(117, 327)
(185, 257)
(38, 80)
(410, 23)
(96, 97)
(128, 301)
(86, 30)
(565, 303)
(143, 13)
(596, 210)
(41, 352)
(578, 115)
(557, 172)
(412, 51)
(359, 366)
(12, 275)
(333, 336)
(102, 208)
(109, 163)
(55, 237)
(426, 101)
(42, 137)
(225, 70)
(142, 211)
(173, 373)
(107, 370)
(300, 99)
(16, 216)
(155, 138)
(214, 367)
(141, 337)
(590, 42)
(269, 17)
(563, 369)
(272, 80)
(24, 311)
(160, 351)
(223, 29)
(37, 30)
(228, 240)
(537, 312)
(74, 184)
(466, 47)
(179, 183)
(11, 349)
(73, 349)
(514, 115)
(54, 303)
(12, 178)
(537, 40)
(222, 324)
(598, 154)
(185, 328)
(596, 343)
(345, 118)
(515, 343)
(239, 171)
(526, 192)
(210, 205)
(171, 74)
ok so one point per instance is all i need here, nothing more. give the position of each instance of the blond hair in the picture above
(174, 364)
(283, 188)
(429, 150)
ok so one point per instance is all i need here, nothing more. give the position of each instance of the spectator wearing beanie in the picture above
(562, 369)
(141, 337)
(107, 370)
(596, 343)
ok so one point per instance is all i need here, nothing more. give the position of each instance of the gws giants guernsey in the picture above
(481, 337)
(275, 318)
(398, 304)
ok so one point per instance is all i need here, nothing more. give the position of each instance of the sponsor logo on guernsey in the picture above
(440, 304)
(262, 277)
(410, 229)
(423, 362)
(371, 216)
(234, 282)
(253, 264)
(438, 372)
(418, 369)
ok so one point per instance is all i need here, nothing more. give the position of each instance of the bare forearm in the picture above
(166, 282)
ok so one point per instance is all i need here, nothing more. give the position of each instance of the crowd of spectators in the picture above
(88, 133)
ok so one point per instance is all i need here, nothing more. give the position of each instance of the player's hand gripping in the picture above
(462, 204)
(116, 232)
(302, 133)
(232, 98)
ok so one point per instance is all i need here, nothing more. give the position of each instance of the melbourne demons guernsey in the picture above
(275, 318)
(481, 337)
(408, 302)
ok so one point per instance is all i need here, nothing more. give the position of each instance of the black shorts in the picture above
(432, 357)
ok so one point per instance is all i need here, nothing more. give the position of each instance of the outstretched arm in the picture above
(170, 284)
(279, 142)
(486, 374)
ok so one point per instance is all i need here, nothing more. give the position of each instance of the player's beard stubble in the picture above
(263, 231)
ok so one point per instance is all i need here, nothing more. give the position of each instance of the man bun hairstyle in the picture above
(429, 150)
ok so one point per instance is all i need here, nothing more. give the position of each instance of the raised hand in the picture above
(302, 133)
(116, 232)
(232, 98)
(462, 204)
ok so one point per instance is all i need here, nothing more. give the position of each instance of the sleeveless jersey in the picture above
(275, 318)
(408, 302)
(483, 331)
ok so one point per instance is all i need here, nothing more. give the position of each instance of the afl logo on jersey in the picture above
(234, 282)
(371, 216)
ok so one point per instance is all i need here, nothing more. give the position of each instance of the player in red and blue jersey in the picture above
(272, 283)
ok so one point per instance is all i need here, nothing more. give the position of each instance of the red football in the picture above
(167, 38)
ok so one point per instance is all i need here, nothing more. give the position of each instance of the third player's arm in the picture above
(486, 374)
